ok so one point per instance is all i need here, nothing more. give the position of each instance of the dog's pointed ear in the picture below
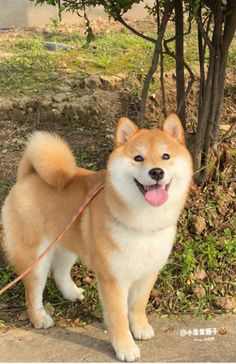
(173, 127)
(124, 131)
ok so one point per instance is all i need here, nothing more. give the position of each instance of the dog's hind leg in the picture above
(34, 286)
(34, 283)
(63, 261)
(21, 245)
(137, 302)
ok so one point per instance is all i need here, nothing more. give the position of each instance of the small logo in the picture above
(198, 332)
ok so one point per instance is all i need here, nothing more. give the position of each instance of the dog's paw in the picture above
(74, 294)
(142, 332)
(130, 353)
(42, 320)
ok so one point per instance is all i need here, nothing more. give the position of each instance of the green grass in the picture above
(16, 293)
(232, 57)
(31, 68)
(191, 255)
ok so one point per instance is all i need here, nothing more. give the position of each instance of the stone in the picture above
(227, 303)
(59, 98)
(23, 316)
(198, 275)
(92, 82)
(199, 224)
(199, 291)
(51, 46)
(91, 344)
(111, 81)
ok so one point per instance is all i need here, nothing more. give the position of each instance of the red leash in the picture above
(57, 239)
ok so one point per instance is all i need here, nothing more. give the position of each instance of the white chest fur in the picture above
(139, 253)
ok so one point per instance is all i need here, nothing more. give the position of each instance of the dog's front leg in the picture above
(114, 299)
(138, 298)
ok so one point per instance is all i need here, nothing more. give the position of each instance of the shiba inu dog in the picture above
(125, 235)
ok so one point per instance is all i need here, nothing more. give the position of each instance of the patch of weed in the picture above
(15, 293)
(32, 68)
(179, 291)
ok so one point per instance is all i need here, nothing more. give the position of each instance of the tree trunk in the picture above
(203, 117)
(162, 81)
(59, 9)
(216, 40)
(228, 35)
(155, 58)
(179, 52)
(201, 58)
(211, 91)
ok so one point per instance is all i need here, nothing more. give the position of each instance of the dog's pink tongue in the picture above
(156, 195)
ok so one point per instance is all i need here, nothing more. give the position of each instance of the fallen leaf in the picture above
(227, 303)
(199, 291)
(199, 224)
(222, 331)
(199, 274)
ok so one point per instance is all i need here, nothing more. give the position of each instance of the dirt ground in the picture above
(85, 113)
(85, 110)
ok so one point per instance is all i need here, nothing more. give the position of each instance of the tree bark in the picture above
(133, 30)
(179, 63)
(162, 80)
(201, 58)
(203, 117)
(59, 10)
(228, 35)
(191, 74)
(212, 89)
(216, 40)
(155, 58)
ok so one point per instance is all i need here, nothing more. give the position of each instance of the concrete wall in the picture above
(23, 13)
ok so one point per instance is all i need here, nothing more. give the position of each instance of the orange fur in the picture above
(121, 238)
(50, 157)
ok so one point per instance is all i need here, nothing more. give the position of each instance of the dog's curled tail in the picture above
(50, 157)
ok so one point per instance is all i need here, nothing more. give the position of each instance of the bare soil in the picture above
(85, 112)
(86, 121)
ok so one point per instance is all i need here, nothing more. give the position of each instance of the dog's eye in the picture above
(138, 158)
(165, 156)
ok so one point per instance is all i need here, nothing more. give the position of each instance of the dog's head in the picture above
(151, 167)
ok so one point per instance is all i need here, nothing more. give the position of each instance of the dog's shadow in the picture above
(91, 341)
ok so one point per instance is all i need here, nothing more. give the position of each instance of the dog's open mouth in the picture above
(155, 194)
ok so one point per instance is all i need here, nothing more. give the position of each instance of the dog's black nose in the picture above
(156, 173)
